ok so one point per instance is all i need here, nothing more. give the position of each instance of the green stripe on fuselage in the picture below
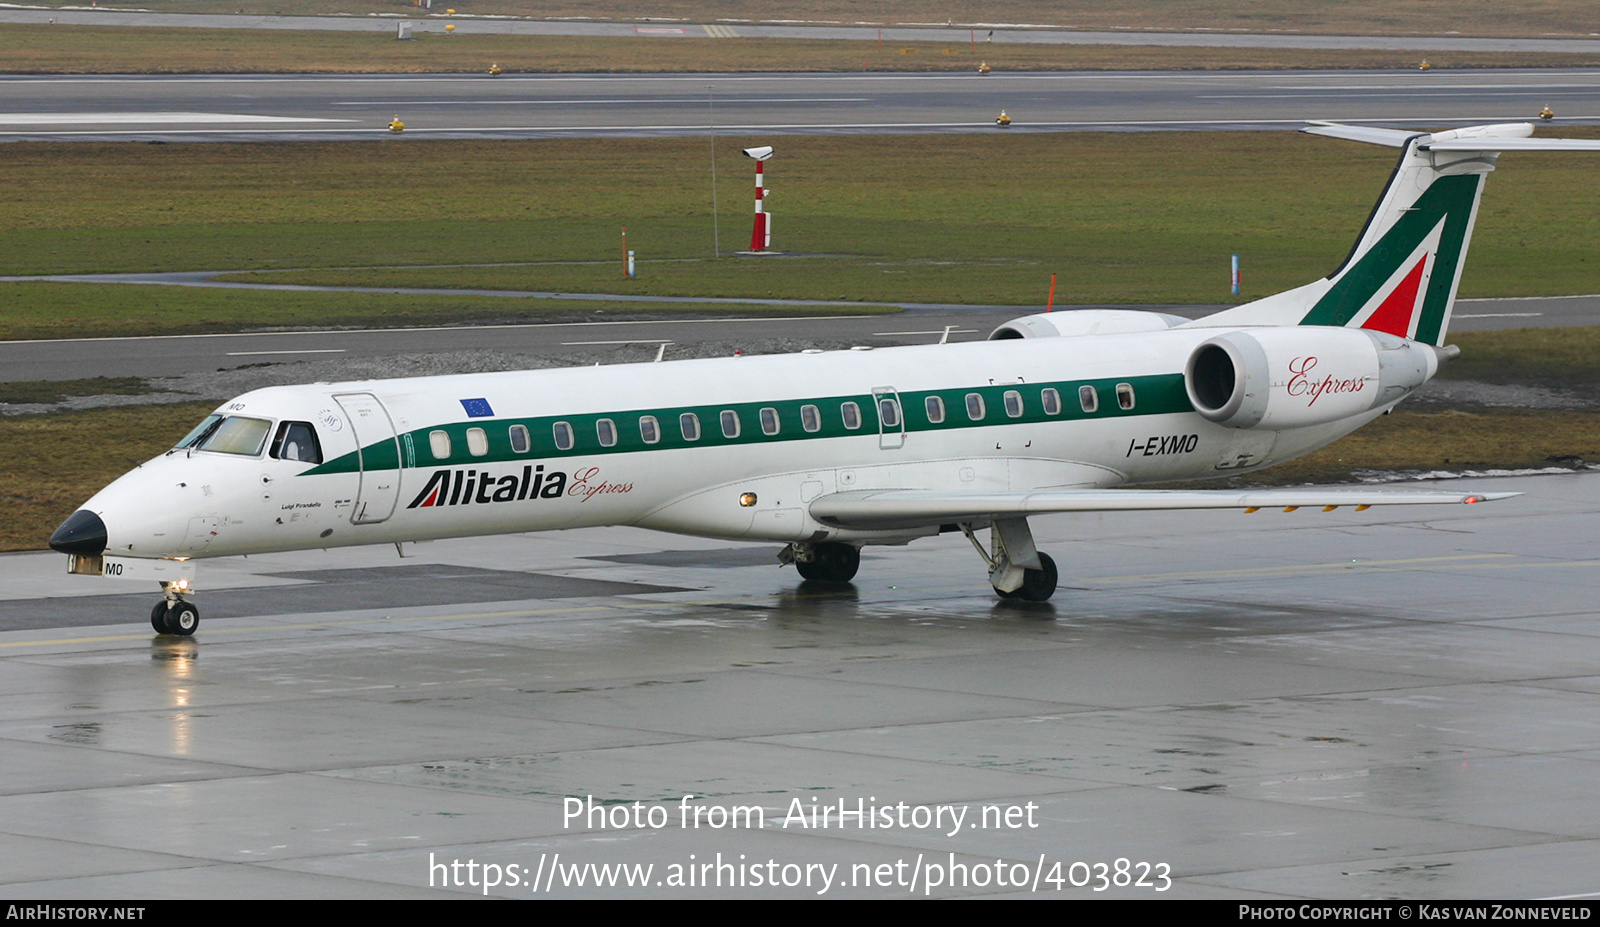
(1162, 394)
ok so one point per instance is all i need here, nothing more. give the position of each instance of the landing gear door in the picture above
(379, 453)
(891, 418)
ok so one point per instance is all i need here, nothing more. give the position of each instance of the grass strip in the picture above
(1532, 18)
(1119, 219)
(17, 392)
(1451, 440)
(52, 310)
(71, 49)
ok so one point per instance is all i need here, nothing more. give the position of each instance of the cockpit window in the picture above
(237, 435)
(297, 441)
(200, 431)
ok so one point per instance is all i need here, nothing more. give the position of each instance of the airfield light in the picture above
(761, 233)
(451, 27)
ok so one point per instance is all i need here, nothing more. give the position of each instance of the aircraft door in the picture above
(891, 418)
(379, 454)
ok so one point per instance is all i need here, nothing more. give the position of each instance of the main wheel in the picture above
(831, 563)
(1037, 585)
(183, 618)
(158, 618)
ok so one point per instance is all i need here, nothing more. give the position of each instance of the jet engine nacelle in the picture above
(1290, 377)
(1070, 323)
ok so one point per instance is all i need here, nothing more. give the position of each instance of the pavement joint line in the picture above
(1313, 567)
(352, 622)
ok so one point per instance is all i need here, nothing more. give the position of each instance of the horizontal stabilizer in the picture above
(1394, 138)
(1512, 144)
(916, 507)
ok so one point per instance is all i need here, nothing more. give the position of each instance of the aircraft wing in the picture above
(900, 508)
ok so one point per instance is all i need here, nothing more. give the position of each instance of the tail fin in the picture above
(1402, 274)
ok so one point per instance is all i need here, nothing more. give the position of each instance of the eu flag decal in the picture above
(477, 408)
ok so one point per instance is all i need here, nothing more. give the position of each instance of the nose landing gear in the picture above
(174, 614)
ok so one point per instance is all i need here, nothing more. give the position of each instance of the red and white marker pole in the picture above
(761, 233)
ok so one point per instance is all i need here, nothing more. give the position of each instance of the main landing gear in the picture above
(823, 563)
(1017, 570)
(174, 614)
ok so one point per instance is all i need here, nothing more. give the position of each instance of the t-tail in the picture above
(1402, 274)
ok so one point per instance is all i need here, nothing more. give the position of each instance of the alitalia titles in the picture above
(481, 487)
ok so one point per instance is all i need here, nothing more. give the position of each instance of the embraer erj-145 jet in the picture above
(829, 451)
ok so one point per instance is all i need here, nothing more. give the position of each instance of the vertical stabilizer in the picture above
(1401, 276)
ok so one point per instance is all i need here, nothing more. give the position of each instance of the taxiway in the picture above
(1275, 706)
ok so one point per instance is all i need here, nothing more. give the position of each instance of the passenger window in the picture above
(975, 410)
(1052, 402)
(1125, 396)
(649, 429)
(935, 407)
(889, 412)
(238, 435)
(439, 444)
(1013, 402)
(297, 441)
(477, 442)
(810, 418)
(520, 442)
(851, 413)
(730, 423)
(606, 430)
(562, 432)
(689, 424)
(1088, 398)
(769, 421)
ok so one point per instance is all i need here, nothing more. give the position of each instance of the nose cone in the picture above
(83, 533)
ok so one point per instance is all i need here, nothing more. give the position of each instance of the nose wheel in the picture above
(174, 615)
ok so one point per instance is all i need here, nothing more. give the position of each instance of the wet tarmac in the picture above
(1377, 704)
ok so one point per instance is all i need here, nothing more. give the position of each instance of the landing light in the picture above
(747, 499)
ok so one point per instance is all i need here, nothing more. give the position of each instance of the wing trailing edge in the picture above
(894, 508)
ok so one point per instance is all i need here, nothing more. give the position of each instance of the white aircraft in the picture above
(830, 451)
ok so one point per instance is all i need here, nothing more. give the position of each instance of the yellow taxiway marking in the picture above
(721, 32)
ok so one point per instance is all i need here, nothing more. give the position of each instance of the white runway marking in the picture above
(953, 331)
(308, 351)
(78, 119)
(659, 101)
(1499, 315)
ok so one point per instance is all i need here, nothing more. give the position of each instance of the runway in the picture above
(1275, 706)
(175, 355)
(325, 108)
